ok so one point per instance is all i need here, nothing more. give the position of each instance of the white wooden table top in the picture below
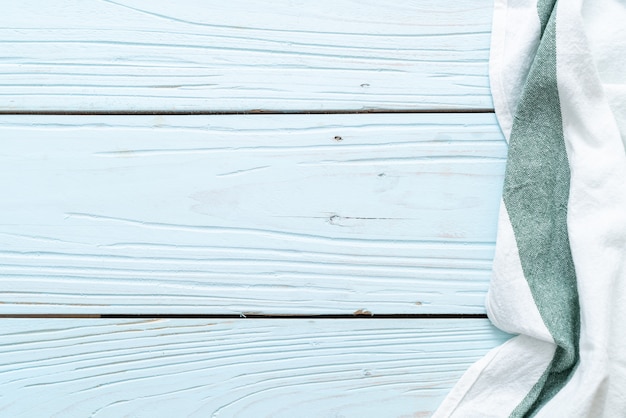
(172, 169)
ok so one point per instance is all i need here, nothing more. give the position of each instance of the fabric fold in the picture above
(559, 277)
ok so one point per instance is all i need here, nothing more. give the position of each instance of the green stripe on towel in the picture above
(536, 194)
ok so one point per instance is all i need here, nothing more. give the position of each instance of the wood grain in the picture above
(243, 368)
(248, 214)
(242, 55)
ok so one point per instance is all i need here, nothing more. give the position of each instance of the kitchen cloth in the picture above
(558, 79)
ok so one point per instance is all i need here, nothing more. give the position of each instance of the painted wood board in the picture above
(242, 55)
(269, 214)
(239, 368)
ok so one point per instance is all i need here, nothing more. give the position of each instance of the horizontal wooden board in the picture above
(272, 214)
(134, 55)
(242, 368)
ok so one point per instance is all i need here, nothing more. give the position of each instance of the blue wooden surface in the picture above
(250, 368)
(249, 214)
(243, 214)
(244, 55)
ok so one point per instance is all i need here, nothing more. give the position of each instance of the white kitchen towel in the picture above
(558, 79)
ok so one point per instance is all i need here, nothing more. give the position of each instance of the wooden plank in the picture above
(242, 368)
(248, 214)
(238, 55)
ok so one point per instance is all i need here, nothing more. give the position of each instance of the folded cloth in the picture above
(558, 79)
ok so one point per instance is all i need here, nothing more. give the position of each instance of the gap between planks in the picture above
(231, 112)
(364, 315)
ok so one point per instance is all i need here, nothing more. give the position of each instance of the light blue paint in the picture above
(231, 214)
(243, 214)
(243, 55)
(75, 368)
